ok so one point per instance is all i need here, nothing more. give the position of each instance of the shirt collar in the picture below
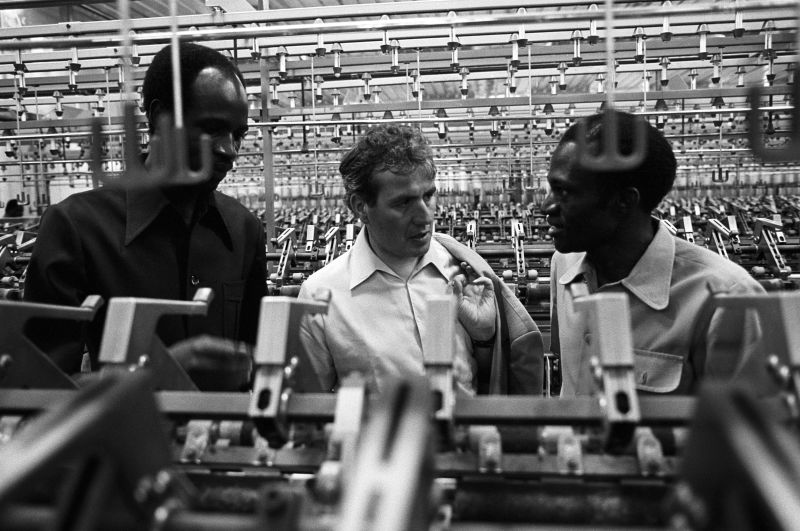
(144, 206)
(651, 277)
(364, 262)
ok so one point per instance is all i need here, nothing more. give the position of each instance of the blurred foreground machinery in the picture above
(141, 448)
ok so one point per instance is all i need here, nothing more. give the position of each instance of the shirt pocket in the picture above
(232, 294)
(657, 372)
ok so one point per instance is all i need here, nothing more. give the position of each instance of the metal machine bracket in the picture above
(286, 241)
(437, 351)
(331, 244)
(334, 472)
(130, 339)
(687, 233)
(22, 364)
(113, 430)
(609, 320)
(766, 236)
(518, 245)
(717, 231)
(349, 236)
(390, 487)
(782, 342)
(472, 234)
(670, 227)
(310, 237)
(275, 361)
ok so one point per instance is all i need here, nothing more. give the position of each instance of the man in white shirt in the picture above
(377, 318)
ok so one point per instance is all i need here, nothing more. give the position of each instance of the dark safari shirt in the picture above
(134, 243)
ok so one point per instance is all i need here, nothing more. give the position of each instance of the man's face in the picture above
(580, 216)
(217, 108)
(401, 220)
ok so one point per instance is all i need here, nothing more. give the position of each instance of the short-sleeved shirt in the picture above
(377, 322)
(677, 339)
(134, 243)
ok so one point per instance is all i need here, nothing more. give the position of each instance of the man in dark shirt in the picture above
(163, 242)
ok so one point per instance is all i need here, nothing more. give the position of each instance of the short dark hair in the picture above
(194, 58)
(653, 178)
(398, 148)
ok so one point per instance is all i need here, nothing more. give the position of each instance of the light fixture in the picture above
(441, 127)
(768, 29)
(740, 72)
(494, 130)
(664, 62)
(716, 61)
(702, 50)
(770, 77)
(335, 94)
(336, 137)
(577, 37)
(522, 38)
(386, 45)
(666, 32)
(415, 85)
(511, 81)
(395, 56)
(562, 75)
(464, 87)
(738, 24)
(73, 67)
(718, 103)
(639, 36)
(318, 89)
(100, 106)
(59, 110)
(366, 77)
(593, 38)
(693, 79)
(661, 119)
(453, 44)
(282, 53)
(553, 85)
(320, 49)
(336, 48)
(549, 123)
(601, 83)
(273, 90)
(20, 68)
(513, 39)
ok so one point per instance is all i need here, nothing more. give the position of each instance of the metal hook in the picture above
(788, 153)
(175, 138)
(135, 174)
(611, 159)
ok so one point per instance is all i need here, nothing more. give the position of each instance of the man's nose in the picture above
(225, 145)
(549, 204)
(423, 214)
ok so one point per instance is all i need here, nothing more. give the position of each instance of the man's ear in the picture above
(628, 199)
(154, 112)
(359, 207)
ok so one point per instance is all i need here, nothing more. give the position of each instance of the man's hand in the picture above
(214, 363)
(476, 306)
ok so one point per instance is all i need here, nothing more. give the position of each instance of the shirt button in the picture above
(643, 377)
(194, 280)
(587, 337)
